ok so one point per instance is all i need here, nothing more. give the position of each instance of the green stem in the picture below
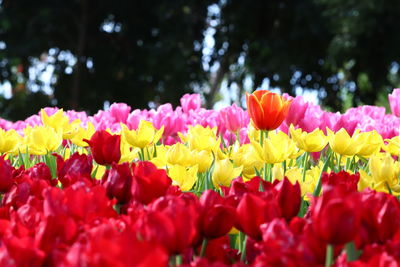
(178, 260)
(261, 138)
(284, 167)
(265, 171)
(338, 163)
(238, 136)
(305, 166)
(329, 255)
(203, 247)
(318, 187)
(351, 252)
(243, 256)
(388, 187)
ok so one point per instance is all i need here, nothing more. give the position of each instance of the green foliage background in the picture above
(142, 51)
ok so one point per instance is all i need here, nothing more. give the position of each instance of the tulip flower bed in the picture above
(282, 184)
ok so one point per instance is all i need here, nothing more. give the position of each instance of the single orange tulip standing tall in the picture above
(267, 110)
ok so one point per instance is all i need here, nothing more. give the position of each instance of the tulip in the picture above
(328, 213)
(184, 177)
(108, 246)
(288, 197)
(380, 216)
(344, 144)
(384, 172)
(224, 172)
(120, 112)
(9, 141)
(148, 182)
(171, 221)
(201, 138)
(41, 140)
(144, 136)
(344, 179)
(6, 175)
(244, 156)
(203, 159)
(117, 182)
(392, 146)
(309, 142)
(74, 168)
(267, 110)
(276, 148)
(297, 110)
(233, 118)
(371, 141)
(179, 154)
(394, 101)
(216, 216)
(105, 147)
(190, 102)
(254, 210)
(83, 133)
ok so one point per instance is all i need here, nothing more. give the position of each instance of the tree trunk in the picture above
(75, 89)
(216, 82)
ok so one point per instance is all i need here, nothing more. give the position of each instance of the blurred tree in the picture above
(141, 51)
(132, 51)
(338, 47)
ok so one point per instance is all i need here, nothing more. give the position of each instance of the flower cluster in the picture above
(285, 184)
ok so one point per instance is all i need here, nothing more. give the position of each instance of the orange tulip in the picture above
(267, 110)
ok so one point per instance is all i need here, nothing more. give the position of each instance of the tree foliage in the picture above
(141, 51)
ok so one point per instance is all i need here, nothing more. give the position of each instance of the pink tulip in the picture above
(297, 110)
(233, 118)
(120, 112)
(190, 102)
(394, 101)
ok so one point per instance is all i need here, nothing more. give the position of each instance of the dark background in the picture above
(142, 51)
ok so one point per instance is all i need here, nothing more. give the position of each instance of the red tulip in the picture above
(118, 181)
(171, 221)
(336, 215)
(74, 169)
(344, 179)
(288, 197)
(267, 110)
(380, 216)
(148, 182)
(105, 147)
(107, 246)
(216, 216)
(254, 210)
(6, 175)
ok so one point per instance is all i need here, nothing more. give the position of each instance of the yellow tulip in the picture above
(179, 154)
(9, 141)
(184, 177)
(384, 173)
(344, 144)
(128, 153)
(41, 140)
(157, 155)
(201, 138)
(145, 135)
(371, 143)
(203, 158)
(311, 179)
(392, 146)
(60, 123)
(309, 142)
(224, 172)
(276, 148)
(83, 133)
(245, 156)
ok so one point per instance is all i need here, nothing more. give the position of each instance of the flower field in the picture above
(283, 183)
